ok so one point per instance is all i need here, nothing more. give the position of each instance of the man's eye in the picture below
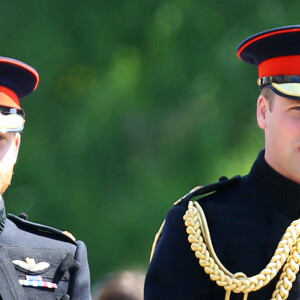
(3, 136)
(296, 108)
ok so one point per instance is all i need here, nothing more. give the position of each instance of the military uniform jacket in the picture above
(247, 217)
(38, 262)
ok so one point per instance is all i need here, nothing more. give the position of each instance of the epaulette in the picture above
(204, 190)
(43, 229)
(197, 191)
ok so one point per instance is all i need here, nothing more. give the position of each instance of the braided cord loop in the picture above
(286, 255)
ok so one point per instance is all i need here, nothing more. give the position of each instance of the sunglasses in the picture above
(5, 110)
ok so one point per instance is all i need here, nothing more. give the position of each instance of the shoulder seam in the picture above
(42, 228)
(203, 190)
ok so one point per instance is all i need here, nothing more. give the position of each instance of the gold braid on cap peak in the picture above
(286, 255)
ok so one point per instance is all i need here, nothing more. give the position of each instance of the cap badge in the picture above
(30, 265)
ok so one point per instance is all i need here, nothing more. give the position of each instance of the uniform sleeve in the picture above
(79, 288)
(174, 272)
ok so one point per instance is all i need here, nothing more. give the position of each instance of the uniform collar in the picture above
(284, 192)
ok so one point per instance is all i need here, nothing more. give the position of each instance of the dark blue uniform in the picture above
(247, 217)
(39, 262)
(36, 262)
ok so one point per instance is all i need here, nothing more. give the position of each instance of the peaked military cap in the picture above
(17, 80)
(276, 52)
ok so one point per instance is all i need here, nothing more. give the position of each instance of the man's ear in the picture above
(262, 111)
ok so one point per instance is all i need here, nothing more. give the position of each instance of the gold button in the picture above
(259, 81)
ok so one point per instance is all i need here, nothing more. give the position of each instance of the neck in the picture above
(286, 169)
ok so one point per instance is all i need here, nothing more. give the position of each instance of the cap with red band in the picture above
(17, 80)
(276, 52)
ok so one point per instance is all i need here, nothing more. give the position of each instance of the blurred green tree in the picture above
(139, 101)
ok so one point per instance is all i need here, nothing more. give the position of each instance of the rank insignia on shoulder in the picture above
(37, 281)
(30, 265)
(191, 191)
(70, 235)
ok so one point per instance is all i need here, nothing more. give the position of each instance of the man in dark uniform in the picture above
(239, 238)
(36, 261)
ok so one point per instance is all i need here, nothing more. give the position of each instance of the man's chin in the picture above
(5, 180)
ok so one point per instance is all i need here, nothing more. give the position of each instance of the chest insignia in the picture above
(30, 265)
(37, 281)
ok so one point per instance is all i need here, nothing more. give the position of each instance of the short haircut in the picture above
(269, 95)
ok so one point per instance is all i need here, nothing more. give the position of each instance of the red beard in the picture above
(5, 180)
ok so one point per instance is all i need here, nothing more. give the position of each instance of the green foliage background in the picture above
(139, 101)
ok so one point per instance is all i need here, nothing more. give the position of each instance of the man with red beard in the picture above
(36, 261)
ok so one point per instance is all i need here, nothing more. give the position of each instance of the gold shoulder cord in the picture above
(159, 233)
(286, 255)
(156, 239)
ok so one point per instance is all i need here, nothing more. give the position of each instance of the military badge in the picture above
(37, 281)
(30, 265)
